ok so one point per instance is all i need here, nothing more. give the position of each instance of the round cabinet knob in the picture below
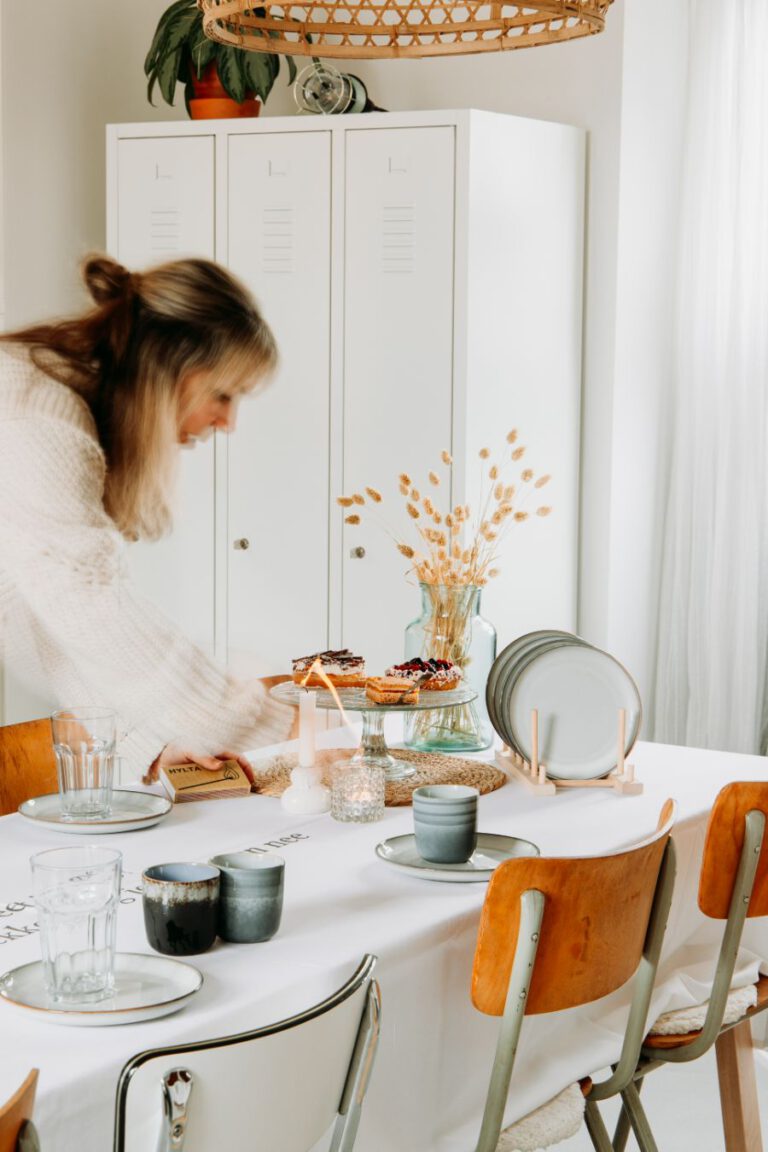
(242, 544)
(357, 553)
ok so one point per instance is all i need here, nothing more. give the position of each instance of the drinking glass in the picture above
(76, 893)
(84, 743)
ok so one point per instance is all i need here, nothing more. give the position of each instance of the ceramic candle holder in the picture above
(306, 795)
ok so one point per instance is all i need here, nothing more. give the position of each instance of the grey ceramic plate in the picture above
(130, 811)
(578, 692)
(505, 687)
(506, 660)
(492, 850)
(146, 987)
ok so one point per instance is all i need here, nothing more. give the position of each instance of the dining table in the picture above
(342, 901)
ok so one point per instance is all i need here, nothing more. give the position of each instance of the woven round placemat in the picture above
(273, 776)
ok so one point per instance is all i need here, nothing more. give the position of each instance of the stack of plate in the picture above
(578, 690)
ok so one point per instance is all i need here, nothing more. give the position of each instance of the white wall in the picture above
(626, 87)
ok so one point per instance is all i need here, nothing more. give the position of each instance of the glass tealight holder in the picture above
(357, 791)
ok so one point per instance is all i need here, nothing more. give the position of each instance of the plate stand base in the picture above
(533, 774)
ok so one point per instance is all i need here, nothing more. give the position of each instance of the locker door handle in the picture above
(357, 553)
(242, 544)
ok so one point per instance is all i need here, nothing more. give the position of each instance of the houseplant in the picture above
(218, 80)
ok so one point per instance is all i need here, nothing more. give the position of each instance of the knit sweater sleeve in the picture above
(65, 557)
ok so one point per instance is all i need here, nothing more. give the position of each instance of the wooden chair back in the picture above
(18, 1110)
(27, 763)
(595, 920)
(722, 850)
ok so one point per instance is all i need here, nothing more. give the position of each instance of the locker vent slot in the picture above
(164, 230)
(398, 239)
(277, 234)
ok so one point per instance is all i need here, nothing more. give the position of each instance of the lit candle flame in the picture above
(317, 669)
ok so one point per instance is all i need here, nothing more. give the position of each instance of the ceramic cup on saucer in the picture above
(251, 902)
(181, 907)
(445, 822)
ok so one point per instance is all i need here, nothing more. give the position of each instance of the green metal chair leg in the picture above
(598, 1133)
(633, 1107)
(623, 1126)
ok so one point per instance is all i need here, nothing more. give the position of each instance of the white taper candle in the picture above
(307, 714)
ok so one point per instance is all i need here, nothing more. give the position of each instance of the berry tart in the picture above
(432, 675)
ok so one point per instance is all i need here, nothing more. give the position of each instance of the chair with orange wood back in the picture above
(733, 886)
(559, 933)
(27, 763)
(17, 1132)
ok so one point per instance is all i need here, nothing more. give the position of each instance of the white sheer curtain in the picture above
(713, 620)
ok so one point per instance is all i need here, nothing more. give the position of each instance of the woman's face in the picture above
(204, 407)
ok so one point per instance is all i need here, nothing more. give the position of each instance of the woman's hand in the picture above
(176, 754)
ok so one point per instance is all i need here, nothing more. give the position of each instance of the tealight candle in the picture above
(357, 792)
(307, 717)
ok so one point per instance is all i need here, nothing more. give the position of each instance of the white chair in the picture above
(280, 1087)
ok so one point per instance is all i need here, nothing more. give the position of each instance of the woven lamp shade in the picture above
(390, 29)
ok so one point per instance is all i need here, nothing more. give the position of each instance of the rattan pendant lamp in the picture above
(389, 29)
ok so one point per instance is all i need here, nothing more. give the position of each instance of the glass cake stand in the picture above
(373, 746)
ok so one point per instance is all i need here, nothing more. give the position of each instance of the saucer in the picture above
(130, 811)
(146, 987)
(491, 850)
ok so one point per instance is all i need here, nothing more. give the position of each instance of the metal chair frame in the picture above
(178, 1081)
(633, 1115)
(533, 904)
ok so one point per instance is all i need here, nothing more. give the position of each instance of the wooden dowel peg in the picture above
(622, 741)
(535, 742)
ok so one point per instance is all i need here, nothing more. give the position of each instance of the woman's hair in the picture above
(131, 354)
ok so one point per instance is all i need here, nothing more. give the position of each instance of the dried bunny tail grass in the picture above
(405, 479)
(493, 573)
(415, 495)
(449, 521)
(434, 478)
(404, 489)
(509, 492)
(458, 514)
(483, 453)
(467, 512)
(526, 475)
(428, 506)
(345, 501)
(487, 534)
(374, 495)
(354, 519)
(498, 492)
(493, 472)
(498, 517)
(456, 551)
(437, 518)
(413, 511)
(446, 457)
(505, 509)
(406, 550)
(466, 556)
(544, 510)
(358, 499)
(518, 453)
(542, 480)
(512, 436)
(520, 516)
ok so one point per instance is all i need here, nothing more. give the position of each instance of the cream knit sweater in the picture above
(67, 608)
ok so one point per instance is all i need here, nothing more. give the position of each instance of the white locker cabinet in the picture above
(422, 273)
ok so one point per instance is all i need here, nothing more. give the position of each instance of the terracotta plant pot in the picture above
(210, 101)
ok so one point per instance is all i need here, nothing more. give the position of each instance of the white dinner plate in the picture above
(492, 850)
(578, 692)
(146, 987)
(509, 656)
(130, 811)
(509, 677)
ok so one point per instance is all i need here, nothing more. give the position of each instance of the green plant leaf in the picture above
(182, 30)
(202, 52)
(260, 71)
(168, 73)
(230, 68)
(291, 63)
(167, 20)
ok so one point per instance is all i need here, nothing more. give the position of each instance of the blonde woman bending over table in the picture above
(93, 410)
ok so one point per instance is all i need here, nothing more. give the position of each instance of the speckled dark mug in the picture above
(251, 903)
(181, 907)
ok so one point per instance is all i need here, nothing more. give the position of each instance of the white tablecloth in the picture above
(340, 902)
